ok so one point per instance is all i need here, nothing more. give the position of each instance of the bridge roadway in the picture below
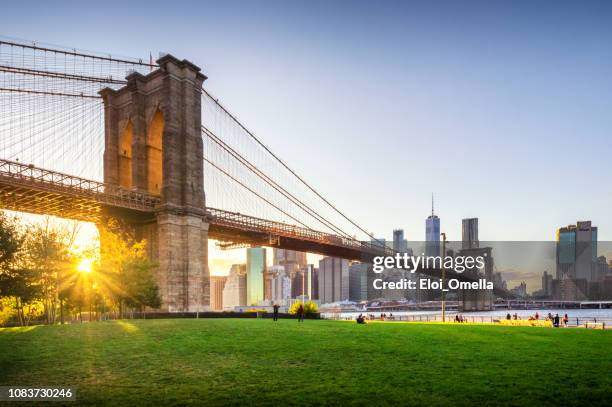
(27, 188)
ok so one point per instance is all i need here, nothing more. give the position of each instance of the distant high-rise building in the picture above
(432, 233)
(358, 281)
(399, 243)
(469, 233)
(313, 277)
(498, 281)
(305, 282)
(256, 266)
(333, 280)
(281, 284)
(520, 290)
(577, 251)
(217, 284)
(601, 269)
(300, 282)
(267, 286)
(235, 290)
(547, 282)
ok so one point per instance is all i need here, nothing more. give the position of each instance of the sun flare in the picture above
(85, 266)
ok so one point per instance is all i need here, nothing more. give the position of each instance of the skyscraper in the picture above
(333, 280)
(304, 282)
(469, 233)
(577, 251)
(281, 284)
(234, 292)
(399, 243)
(256, 266)
(217, 284)
(547, 282)
(358, 281)
(432, 233)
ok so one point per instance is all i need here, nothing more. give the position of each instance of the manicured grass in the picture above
(248, 361)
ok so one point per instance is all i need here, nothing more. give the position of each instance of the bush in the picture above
(310, 308)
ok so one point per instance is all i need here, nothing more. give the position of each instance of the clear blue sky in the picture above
(501, 108)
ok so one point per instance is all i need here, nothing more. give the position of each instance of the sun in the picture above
(85, 266)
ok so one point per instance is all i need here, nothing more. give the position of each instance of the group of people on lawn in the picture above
(554, 319)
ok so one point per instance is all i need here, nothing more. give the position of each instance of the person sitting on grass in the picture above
(556, 321)
(508, 316)
(361, 319)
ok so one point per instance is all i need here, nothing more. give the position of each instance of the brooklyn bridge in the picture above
(89, 136)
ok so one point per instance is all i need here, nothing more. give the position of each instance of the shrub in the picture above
(309, 308)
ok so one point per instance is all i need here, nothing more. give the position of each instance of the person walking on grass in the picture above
(276, 307)
(300, 313)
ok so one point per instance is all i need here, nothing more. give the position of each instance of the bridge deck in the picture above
(26, 188)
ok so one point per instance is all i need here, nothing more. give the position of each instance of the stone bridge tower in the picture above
(153, 144)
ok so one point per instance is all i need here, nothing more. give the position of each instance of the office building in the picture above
(547, 284)
(280, 285)
(300, 282)
(399, 243)
(577, 251)
(432, 233)
(333, 280)
(217, 284)
(469, 233)
(256, 266)
(520, 290)
(358, 281)
(235, 289)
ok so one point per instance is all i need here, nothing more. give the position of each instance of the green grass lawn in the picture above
(249, 361)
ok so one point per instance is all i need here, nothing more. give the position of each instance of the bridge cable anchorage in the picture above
(254, 169)
(216, 101)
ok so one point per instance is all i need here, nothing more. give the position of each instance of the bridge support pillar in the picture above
(153, 144)
(183, 262)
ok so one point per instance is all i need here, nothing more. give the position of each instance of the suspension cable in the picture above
(273, 183)
(258, 141)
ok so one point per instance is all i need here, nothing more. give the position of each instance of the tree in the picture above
(310, 308)
(11, 241)
(16, 281)
(47, 252)
(23, 285)
(126, 271)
